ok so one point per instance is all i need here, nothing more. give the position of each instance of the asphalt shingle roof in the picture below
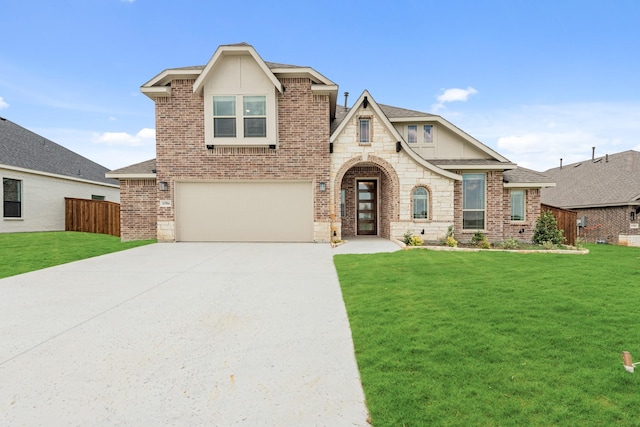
(608, 180)
(146, 167)
(22, 148)
(523, 175)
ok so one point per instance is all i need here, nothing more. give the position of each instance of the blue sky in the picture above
(535, 80)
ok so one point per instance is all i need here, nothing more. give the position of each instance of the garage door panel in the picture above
(244, 211)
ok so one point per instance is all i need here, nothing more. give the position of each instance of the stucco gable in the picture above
(234, 50)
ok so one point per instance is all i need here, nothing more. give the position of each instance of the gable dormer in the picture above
(240, 98)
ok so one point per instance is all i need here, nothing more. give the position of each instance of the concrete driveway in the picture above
(181, 334)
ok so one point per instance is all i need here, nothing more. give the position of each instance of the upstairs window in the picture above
(412, 134)
(517, 205)
(255, 116)
(364, 133)
(473, 201)
(224, 116)
(420, 203)
(428, 133)
(12, 198)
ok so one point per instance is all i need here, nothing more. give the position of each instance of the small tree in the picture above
(547, 230)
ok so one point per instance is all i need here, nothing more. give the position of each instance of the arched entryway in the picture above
(367, 199)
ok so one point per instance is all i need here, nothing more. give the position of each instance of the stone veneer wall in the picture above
(402, 175)
(138, 213)
(302, 152)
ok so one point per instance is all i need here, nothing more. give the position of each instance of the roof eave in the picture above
(124, 175)
(529, 184)
(498, 167)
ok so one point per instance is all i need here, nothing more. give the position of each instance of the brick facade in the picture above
(608, 223)
(138, 215)
(302, 152)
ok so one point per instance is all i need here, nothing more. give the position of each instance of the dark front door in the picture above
(367, 208)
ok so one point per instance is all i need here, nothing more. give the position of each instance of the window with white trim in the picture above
(412, 133)
(226, 117)
(517, 205)
(473, 201)
(427, 133)
(255, 116)
(12, 198)
(420, 203)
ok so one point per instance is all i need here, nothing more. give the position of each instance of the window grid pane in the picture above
(255, 127)
(224, 127)
(364, 130)
(255, 105)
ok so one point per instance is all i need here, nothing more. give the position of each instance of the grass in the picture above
(24, 252)
(495, 338)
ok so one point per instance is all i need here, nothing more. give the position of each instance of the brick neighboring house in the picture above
(249, 150)
(605, 192)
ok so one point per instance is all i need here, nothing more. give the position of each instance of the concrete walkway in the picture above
(365, 245)
(214, 334)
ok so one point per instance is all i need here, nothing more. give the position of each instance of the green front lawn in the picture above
(495, 338)
(24, 252)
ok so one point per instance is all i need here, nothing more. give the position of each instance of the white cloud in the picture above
(3, 103)
(453, 95)
(538, 136)
(145, 136)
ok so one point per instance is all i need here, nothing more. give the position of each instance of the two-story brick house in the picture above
(249, 150)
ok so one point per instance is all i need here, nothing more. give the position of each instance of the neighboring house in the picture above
(37, 174)
(605, 192)
(249, 150)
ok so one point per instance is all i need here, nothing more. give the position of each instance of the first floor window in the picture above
(255, 116)
(363, 130)
(224, 116)
(412, 133)
(420, 203)
(473, 201)
(343, 203)
(97, 197)
(517, 205)
(12, 195)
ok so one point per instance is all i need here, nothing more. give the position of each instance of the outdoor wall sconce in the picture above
(365, 102)
(323, 186)
(163, 186)
(398, 147)
(209, 146)
(331, 147)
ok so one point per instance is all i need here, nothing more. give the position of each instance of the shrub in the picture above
(548, 245)
(411, 239)
(547, 230)
(484, 244)
(510, 244)
(451, 242)
(477, 238)
(415, 241)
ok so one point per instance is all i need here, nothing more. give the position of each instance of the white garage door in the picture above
(247, 211)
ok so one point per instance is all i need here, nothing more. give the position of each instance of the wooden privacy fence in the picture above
(92, 216)
(566, 220)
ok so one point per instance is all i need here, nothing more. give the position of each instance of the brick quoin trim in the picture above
(302, 151)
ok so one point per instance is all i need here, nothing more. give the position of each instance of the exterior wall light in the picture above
(163, 186)
(323, 186)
